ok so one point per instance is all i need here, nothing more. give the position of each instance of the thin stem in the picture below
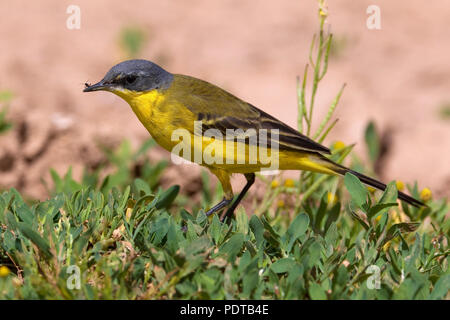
(301, 100)
(300, 107)
(311, 50)
(327, 53)
(330, 112)
(316, 74)
(324, 135)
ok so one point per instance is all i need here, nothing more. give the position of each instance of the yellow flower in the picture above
(338, 145)
(4, 271)
(289, 183)
(280, 203)
(396, 217)
(332, 198)
(400, 185)
(323, 8)
(371, 190)
(425, 194)
(274, 184)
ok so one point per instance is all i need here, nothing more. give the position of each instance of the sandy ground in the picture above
(398, 76)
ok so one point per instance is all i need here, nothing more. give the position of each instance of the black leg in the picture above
(218, 206)
(250, 180)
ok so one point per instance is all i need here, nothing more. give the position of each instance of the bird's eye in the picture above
(130, 79)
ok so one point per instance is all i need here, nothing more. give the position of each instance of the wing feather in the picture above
(220, 110)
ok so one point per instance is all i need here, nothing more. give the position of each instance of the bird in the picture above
(167, 103)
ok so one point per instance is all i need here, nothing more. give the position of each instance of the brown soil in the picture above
(397, 76)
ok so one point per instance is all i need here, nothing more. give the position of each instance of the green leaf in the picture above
(398, 229)
(441, 288)
(5, 125)
(159, 229)
(361, 218)
(390, 194)
(320, 213)
(271, 235)
(257, 228)
(372, 141)
(167, 197)
(25, 214)
(242, 222)
(198, 245)
(249, 283)
(132, 39)
(191, 234)
(148, 144)
(35, 237)
(332, 235)
(297, 228)
(379, 207)
(316, 292)
(283, 265)
(382, 223)
(6, 96)
(215, 229)
(9, 241)
(140, 186)
(82, 241)
(357, 190)
(233, 246)
(186, 215)
(172, 238)
(332, 215)
(314, 253)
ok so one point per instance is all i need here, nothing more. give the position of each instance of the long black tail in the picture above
(341, 170)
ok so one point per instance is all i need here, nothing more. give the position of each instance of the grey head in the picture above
(134, 75)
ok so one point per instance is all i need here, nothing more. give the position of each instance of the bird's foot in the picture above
(227, 215)
(218, 206)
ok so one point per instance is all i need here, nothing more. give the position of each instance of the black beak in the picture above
(96, 87)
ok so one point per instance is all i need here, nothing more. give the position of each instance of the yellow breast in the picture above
(157, 115)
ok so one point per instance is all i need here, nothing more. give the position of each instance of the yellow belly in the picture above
(167, 125)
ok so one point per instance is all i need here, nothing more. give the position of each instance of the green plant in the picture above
(444, 111)
(338, 46)
(318, 61)
(132, 39)
(125, 164)
(136, 245)
(5, 97)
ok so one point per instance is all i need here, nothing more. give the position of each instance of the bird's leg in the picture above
(250, 180)
(218, 206)
(224, 178)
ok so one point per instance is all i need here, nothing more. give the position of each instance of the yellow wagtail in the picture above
(230, 135)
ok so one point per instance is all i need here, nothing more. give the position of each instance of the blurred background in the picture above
(398, 77)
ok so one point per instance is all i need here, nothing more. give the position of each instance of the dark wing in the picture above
(220, 110)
